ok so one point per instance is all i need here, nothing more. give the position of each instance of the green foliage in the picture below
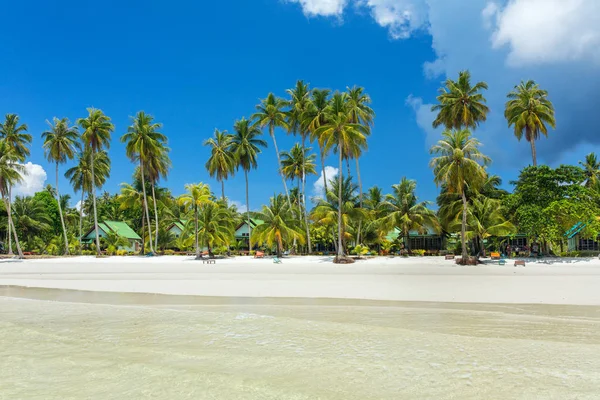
(418, 252)
(360, 250)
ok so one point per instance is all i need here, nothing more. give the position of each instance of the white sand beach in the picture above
(433, 279)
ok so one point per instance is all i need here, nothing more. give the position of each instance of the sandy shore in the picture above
(399, 279)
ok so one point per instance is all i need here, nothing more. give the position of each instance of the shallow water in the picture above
(290, 349)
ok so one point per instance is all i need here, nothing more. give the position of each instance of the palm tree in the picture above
(298, 123)
(279, 224)
(96, 135)
(197, 196)
(60, 144)
(294, 165)
(528, 110)
(144, 142)
(80, 177)
(246, 146)
(215, 226)
(17, 139)
(270, 112)
(340, 133)
(315, 117)
(460, 104)
(158, 167)
(11, 172)
(31, 217)
(458, 162)
(221, 163)
(591, 168)
(406, 213)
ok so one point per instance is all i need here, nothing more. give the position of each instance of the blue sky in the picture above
(197, 66)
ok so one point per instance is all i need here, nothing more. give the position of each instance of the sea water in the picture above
(296, 350)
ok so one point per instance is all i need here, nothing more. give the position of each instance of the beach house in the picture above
(242, 231)
(429, 240)
(119, 228)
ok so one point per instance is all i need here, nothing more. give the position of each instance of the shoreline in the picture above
(312, 278)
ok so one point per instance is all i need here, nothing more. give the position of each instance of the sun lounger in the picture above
(494, 255)
(259, 254)
(519, 262)
(449, 257)
(276, 260)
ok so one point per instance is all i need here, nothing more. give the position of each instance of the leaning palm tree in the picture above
(458, 163)
(11, 172)
(591, 168)
(96, 135)
(340, 133)
(221, 163)
(528, 110)
(60, 145)
(460, 105)
(405, 212)
(315, 117)
(197, 196)
(270, 112)
(80, 177)
(143, 142)
(246, 146)
(18, 140)
(279, 224)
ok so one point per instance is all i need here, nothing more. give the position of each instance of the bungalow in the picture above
(242, 232)
(177, 228)
(576, 242)
(429, 240)
(117, 227)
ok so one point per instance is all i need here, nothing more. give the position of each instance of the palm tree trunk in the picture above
(463, 227)
(324, 175)
(62, 220)
(143, 234)
(308, 244)
(81, 221)
(14, 230)
(248, 214)
(10, 250)
(94, 203)
(279, 169)
(360, 191)
(223, 189)
(340, 252)
(196, 229)
(155, 218)
(143, 177)
(533, 152)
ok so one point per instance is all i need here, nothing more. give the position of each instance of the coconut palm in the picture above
(197, 196)
(30, 217)
(406, 212)
(215, 226)
(17, 138)
(279, 224)
(97, 129)
(60, 145)
(340, 133)
(315, 117)
(270, 112)
(143, 142)
(80, 177)
(11, 172)
(459, 162)
(460, 105)
(246, 145)
(591, 168)
(157, 167)
(221, 163)
(528, 110)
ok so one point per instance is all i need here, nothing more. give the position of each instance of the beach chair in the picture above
(259, 254)
(276, 260)
(502, 261)
(494, 255)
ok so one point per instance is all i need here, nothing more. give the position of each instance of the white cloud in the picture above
(241, 207)
(546, 31)
(325, 8)
(318, 186)
(33, 180)
(400, 17)
(424, 117)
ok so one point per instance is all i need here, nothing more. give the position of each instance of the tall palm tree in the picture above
(18, 140)
(11, 172)
(279, 224)
(340, 133)
(457, 163)
(298, 123)
(406, 212)
(221, 163)
(143, 142)
(591, 168)
(270, 112)
(197, 196)
(461, 105)
(316, 117)
(97, 129)
(528, 110)
(157, 167)
(60, 145)
(80, 177)
(294, 165)
(246, 146)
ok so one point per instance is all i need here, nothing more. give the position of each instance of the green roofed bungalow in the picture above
(177, 227)
(242, 232)
(427, 240)
(116, 227)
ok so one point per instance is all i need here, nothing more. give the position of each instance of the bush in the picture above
(419, 252)
(121, 252)
(88, 252)
(169, 252)
(359, 250)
